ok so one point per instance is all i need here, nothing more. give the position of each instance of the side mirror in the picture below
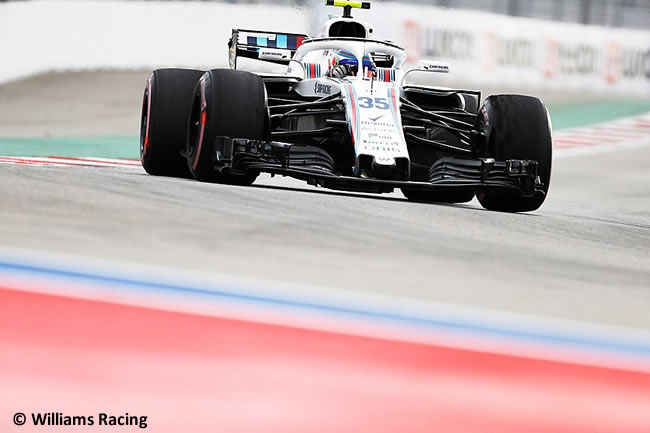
(425, 73)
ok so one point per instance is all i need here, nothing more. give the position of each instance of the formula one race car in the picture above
(345, 116)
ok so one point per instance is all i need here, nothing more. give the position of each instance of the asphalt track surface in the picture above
(585, 255)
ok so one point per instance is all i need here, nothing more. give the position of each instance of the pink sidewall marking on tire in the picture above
(197, 151)
(145, 147)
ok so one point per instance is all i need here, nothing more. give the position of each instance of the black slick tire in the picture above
(516, 127)
(163, 125)
(226, 103)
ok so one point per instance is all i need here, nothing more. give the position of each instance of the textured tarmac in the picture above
(584, 255)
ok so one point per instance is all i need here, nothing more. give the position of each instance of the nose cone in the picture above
(385, 168)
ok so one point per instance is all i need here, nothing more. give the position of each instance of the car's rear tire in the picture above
(438, 196)
(226, 103)
(163, 125)
(516, 127)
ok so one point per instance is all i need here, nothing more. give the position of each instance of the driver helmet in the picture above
(343, 62)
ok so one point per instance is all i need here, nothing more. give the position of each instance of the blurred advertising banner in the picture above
(484, 49)
(499, 50)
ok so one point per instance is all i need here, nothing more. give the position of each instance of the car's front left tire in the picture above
(517, 127)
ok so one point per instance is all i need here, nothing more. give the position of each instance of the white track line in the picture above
(54, 161)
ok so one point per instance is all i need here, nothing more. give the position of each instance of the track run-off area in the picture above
(283, 307)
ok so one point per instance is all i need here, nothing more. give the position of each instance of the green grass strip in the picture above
(573, 115)
(99, 147)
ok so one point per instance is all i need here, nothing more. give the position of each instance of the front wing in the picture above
(308, 164)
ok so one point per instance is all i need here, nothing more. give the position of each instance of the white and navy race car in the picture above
(346, 116)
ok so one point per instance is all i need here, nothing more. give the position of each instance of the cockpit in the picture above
(343, 44)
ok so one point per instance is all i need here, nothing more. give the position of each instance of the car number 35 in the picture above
(380, 103)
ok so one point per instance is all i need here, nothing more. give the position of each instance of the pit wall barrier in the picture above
(484, 49)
